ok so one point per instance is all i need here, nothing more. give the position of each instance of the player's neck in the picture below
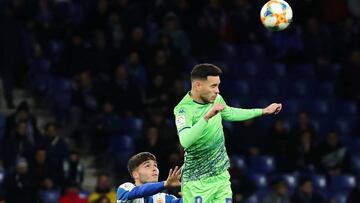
(196, 97)
(138, 183)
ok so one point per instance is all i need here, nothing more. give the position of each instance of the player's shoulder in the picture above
(183, 104)
(126, 186)
(219, 97)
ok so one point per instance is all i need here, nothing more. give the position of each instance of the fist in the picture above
(214, 110)
(273, 108)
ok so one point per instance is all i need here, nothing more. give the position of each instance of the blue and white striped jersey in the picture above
(147, 193)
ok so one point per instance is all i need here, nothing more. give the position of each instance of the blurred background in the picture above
(85, 84)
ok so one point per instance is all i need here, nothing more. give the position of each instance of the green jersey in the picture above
(203, 141)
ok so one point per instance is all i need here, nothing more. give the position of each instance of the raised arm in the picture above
(129, 191)
(239, 114)
(188, 133)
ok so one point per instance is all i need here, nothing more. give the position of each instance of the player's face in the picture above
(148, 172)
(210, 89)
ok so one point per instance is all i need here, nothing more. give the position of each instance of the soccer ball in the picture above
(276, 15)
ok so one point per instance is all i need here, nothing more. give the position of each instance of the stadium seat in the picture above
(279, 69)
(39, 67)
(303, 71)
(297, 89)
(342, 183)
(259, 180)
(354, 146)
(252, 199)
(291, 180)
(348, 108)
(250, 69)
(266, 89)
(329, 72)
(242, 88)
(355, 164)
(121, 148)
(239, 161)
(61, 84)
(2, 126)
(318, 107)
(343, 127)
(59, 95)
(325, 90)
(262, 164)
(339, 197)
(290, 107)
(319, 182)
(2, 176)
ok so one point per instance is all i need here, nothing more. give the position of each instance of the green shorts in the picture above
(215, 189)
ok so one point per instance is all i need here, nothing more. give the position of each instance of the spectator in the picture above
(241, 185)
(103, 189)
(54, 143)
(317, 42)
(303, 125)
(124, 86)
(41, 167)
(22, 113)
(12, 56)
(103, 199)
(248, 137)
(155, 94)
(278, 193)
(73, 170)
(136, 69)
(333, 156)
(72, 194)
(49, 191)
(18, 145)
(178, 36)
(102, 58)
(137, 43)
(107, 125)
(155, 144)
(86, 95)
(279, 144)
(20, 186)
(306, 194)
(305, 152)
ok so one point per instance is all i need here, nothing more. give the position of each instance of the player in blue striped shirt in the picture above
(143, 169)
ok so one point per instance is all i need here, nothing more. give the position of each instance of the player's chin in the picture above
(154, 179)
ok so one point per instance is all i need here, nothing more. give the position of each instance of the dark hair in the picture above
(304, 180)
(138, 159)
(51, 124)
(202, 71)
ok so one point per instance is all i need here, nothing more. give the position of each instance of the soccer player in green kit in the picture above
(198, 118)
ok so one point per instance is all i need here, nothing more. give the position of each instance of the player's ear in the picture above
(135, 174)
(197, 84)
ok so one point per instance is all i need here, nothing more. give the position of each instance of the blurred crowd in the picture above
(111, 72)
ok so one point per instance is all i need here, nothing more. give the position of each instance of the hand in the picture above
(173, 180)
(215, 110)
(273, 108)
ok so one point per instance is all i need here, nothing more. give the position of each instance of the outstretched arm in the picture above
(129, 191)
(239, 114)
